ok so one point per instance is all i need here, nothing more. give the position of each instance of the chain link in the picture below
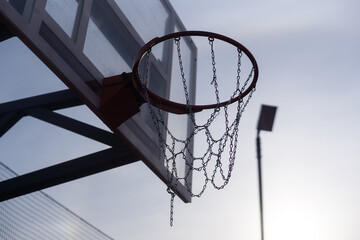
(177, 42)
(214, 80)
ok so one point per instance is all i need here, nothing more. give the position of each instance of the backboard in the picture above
(85, 41)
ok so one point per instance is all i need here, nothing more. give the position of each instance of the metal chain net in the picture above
(210, 162)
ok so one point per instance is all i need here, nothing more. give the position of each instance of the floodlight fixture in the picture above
(267, 117)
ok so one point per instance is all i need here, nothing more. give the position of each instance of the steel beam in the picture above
(8, 120)
(51, 101)
(75, 126)
(42, 107)
(65, 172)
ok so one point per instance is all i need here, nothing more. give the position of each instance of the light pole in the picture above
(266, 121)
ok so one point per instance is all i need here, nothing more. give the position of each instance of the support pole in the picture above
(258, 150)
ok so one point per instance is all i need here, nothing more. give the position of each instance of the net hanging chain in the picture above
(158, 121)
(177, 42)
(214, 80)
(174, 149)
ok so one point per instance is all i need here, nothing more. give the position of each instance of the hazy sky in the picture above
(308, 54)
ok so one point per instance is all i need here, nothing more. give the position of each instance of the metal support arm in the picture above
(65, 172)
(42, 107)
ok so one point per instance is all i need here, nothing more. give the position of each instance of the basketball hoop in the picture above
(178, 108)
(227, 113)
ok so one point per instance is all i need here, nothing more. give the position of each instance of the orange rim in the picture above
(179, 108)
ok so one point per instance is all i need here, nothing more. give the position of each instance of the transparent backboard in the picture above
(84, 41)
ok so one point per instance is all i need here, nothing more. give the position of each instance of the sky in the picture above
(308, 54)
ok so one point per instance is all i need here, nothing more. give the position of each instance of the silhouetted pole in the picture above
(266, 121)
(258, 148)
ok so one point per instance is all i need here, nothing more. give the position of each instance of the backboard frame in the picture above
(65, 56)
